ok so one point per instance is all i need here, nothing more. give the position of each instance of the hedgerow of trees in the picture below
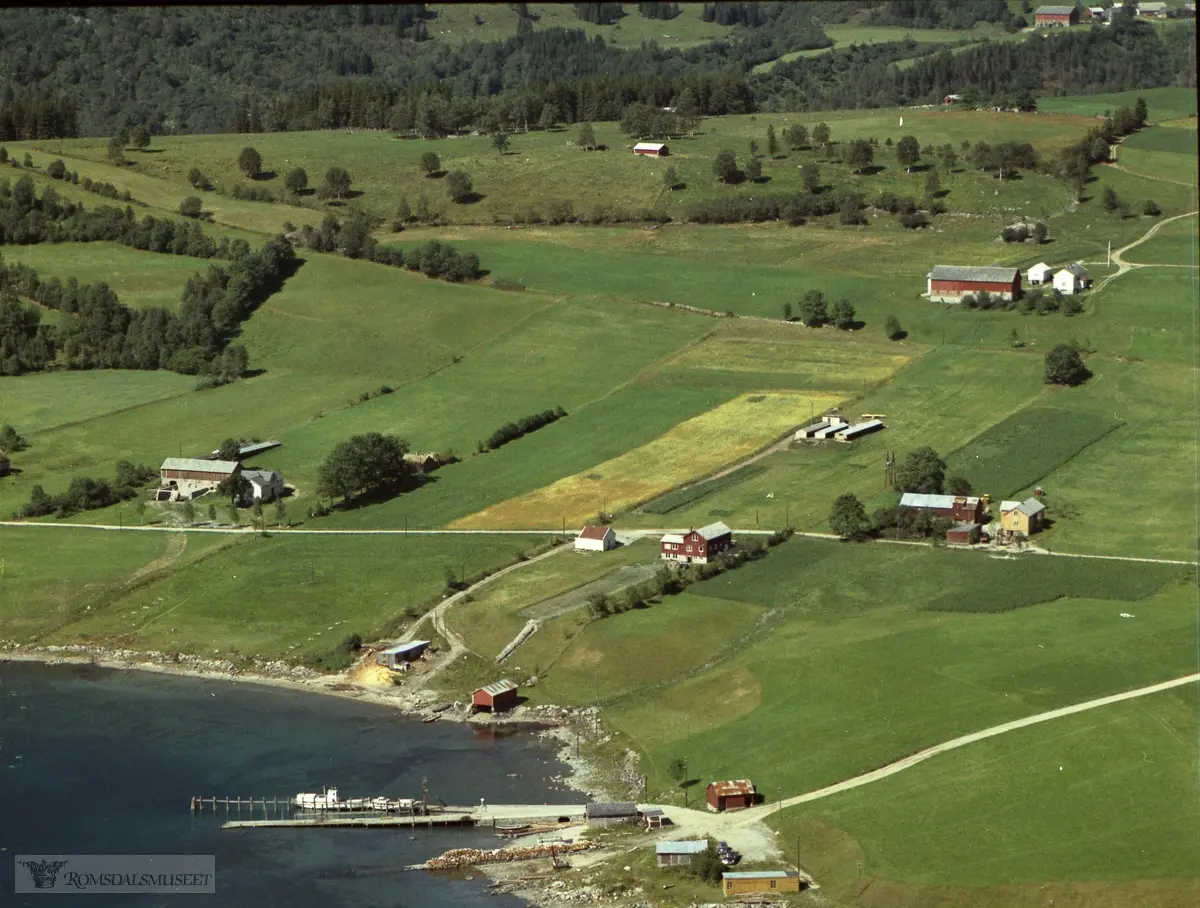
(512, 431)
(87, 494)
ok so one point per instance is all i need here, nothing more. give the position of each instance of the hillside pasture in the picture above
(1165, 152)
(1017, 452)
(544, 166)
(289, 596)
(697, 446)
(1175, 244)
(1005, 812)
(848, 656)
(140, 279)
(1162, 103)
(39, 402)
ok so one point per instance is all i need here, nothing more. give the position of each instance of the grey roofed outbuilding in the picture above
(1031, 506)
(261, 475)
(198, 465)
(603, 809)
(1076, 269)
(713, 530)
(1053, 10)
(680, 847)
(498, 687)
(989, 273)
(404, 647)
(921, 500)
(758, 874)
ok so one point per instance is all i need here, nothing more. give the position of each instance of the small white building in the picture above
(595, 539)
(834, 423)
(1039, 273)
(265, 485)
(654, 149)
(1071, 280)
(1157, 10)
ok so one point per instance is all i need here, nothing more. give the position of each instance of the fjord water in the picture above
(94, 761)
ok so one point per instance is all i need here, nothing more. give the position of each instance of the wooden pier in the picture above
(257, 813)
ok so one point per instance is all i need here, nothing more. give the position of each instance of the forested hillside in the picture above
(250, 69)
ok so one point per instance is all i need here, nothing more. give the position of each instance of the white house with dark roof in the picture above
(265, 485)
(1071, 280)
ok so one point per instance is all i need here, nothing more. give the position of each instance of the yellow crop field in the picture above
(692, 449)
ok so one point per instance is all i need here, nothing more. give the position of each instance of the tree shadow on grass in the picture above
(264, 175)
(872, 170)
(409, 483)
(470, 198)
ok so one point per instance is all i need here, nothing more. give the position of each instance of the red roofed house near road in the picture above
(700, 546)
(733, 795)
(950, 283)
(595, 539)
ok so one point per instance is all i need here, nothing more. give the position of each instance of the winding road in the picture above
(1124, 267)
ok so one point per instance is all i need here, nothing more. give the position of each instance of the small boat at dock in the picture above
(329, 800)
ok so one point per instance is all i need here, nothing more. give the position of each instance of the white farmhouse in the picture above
(1039, 273)
(595, 539)
(265, 485)
(1071, 280)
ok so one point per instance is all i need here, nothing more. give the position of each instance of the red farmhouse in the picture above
(700, 545)
(1049, 16)
(733, 795)
(950, 283)
(496, 697)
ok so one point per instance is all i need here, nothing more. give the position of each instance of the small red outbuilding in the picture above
(733, 795)
(497, 697)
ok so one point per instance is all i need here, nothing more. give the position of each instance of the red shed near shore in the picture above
(733, 795)
(497, 697)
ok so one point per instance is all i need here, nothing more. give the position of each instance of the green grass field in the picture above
(277, 597)
(1005, 812)
(1162, 103)
(835, 678)
(1014, 454)
(140, 279)
(1175, 244)
(545, 166)
(846, 35)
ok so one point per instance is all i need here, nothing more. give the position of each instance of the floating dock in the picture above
(500, 815)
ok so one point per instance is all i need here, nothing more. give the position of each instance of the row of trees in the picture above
(97, 331)
(511, 431)
(87, 494)
(353, 239)
(813, 312)
(668, 582)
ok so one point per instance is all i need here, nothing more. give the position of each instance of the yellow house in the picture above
(1024, 517)
(750, 881)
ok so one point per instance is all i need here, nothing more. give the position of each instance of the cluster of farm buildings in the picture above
(950, 283)
(1065, 16)
(189, 478)
(693, 547)
(969, 513)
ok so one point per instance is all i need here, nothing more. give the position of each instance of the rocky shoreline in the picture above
(564, 727)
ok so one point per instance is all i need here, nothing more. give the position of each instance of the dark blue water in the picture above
(98, 761)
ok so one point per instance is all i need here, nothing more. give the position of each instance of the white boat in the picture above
(330, 801)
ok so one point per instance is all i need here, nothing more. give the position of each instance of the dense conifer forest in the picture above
(95, 71)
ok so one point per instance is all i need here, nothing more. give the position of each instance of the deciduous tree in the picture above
(549, 116)
(670, 177)
(458, 186)
(843, 315)
(725, 166)
(892, 329)
(772, 141)
(296, 180)
(141, 137)
(923, 471)
(1064, 366)
(860, 155)
(191, 207)
(848, 518)
(812, 309)
(820, 134)
(587, 136)
(249, 162)
(810, 176)
(754, 170)
(362, 464)
(430, 163)
(908, 152)
(500, 142)
(337, 183)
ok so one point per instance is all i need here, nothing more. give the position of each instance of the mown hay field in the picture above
(693, 448)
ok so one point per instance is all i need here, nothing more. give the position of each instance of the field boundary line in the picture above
(890, 769)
